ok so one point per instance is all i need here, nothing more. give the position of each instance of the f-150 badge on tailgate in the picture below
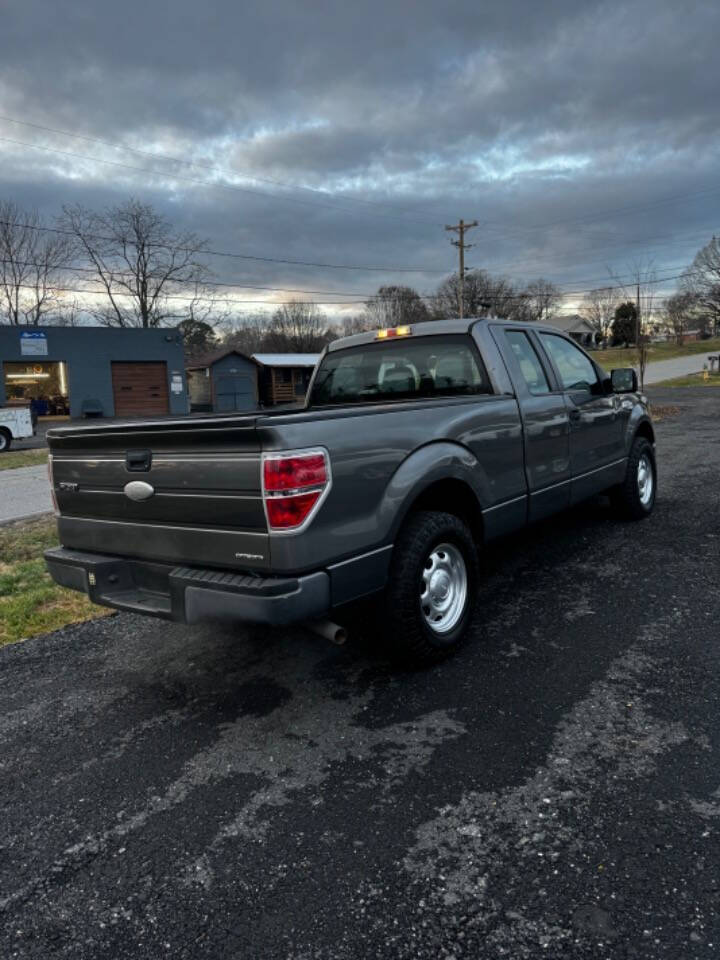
(139, 490)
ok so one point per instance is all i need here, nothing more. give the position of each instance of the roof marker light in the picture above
(388, 332)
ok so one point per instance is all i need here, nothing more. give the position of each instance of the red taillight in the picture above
(292, 473)
(51, 479)
(294, 483)
(286, 512)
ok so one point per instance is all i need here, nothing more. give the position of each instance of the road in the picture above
(552, 791)
(678, 367)
(24, 492)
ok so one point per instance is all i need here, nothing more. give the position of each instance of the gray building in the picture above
(93, 371)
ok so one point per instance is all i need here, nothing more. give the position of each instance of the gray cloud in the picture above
(520, 114)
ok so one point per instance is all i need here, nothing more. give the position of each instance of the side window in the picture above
(529, 362)
(576, 371)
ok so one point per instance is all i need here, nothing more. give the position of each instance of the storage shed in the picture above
(285, 377)
(223, 381)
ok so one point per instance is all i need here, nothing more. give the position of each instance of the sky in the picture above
(584, 137)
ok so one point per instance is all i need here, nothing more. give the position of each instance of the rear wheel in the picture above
(5, 440)
(634, 498)
(430, 596)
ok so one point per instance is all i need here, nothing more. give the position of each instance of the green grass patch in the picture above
(30, 602)
(692, 380)
(22, 458)
(627, 356)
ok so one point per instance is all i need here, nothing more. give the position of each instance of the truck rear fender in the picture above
(442, 476)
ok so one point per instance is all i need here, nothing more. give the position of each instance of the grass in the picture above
(22, 458)
(30, 602)
(627, 356)
(692, 380)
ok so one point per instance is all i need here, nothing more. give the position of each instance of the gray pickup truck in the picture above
(416, 447)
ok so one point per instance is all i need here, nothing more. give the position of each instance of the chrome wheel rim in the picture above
(443, 588)
(645, 480)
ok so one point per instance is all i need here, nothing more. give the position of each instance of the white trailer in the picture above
(15, 424)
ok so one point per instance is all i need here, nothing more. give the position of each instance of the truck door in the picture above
(596, 424)
(545, 423)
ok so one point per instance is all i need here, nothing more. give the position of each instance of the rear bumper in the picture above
(189, 594)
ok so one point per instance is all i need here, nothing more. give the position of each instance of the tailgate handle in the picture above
(138, 461)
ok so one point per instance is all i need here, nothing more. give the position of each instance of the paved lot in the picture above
(553, 791)
(24, 492)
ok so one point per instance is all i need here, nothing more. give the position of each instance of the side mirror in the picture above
(624, 380)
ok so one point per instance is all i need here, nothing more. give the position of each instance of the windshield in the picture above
(402, 369)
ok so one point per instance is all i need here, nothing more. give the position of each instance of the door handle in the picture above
(575, 415)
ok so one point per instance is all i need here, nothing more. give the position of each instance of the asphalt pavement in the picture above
(552, 791)
(677, 367)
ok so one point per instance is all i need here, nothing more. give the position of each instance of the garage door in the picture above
(139, 389)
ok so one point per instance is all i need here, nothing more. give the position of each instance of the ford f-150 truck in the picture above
(415, 448)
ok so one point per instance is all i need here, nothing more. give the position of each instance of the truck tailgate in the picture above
(203, 498)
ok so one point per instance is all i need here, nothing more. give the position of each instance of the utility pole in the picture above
(460, 229)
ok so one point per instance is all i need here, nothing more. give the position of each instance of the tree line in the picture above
(133, 268)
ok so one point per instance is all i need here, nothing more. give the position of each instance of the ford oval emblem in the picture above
(139, 490)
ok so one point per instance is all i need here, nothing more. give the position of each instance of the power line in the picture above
(240, 256)
(356, 295)
(201, 283)
(502, 298)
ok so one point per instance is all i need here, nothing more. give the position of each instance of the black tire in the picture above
(411, 639)
(5, 440)
(626, 498)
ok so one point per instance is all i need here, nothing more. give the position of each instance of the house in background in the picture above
(228, 380)
(574, 326)
(285, 377)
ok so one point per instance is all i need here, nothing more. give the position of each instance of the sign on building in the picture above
(33, 344)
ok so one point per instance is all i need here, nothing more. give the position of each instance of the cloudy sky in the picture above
(583, 136)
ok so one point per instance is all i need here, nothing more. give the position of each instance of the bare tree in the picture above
(598, 309)
(394, 306)
(542, 300)
(703, 284)
(31, 266)
(297, 326)
(358, 323)
(483, 295)
(247, 333)
(148, 274)
(679, 312)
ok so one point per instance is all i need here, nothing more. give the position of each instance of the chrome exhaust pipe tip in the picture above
(328, 631)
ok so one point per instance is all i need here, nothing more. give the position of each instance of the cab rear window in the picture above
(402, 369)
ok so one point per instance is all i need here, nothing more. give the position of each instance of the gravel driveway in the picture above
(553, 791)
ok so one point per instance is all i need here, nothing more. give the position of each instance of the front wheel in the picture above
(634, 498)
(5, 441)
(430, 597)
